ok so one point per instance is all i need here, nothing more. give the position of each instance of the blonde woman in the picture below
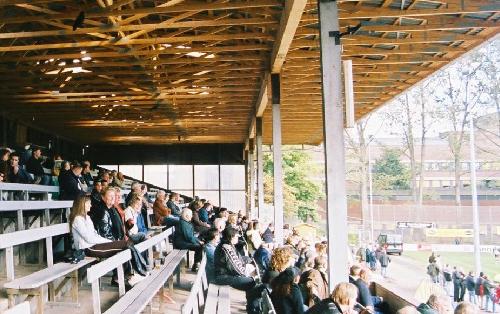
(341, 301)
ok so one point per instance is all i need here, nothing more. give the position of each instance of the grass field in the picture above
(464, 260)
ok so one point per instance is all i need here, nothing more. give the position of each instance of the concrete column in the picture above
(260, 166)
(247, 183)
(277, 159)
(333, 132)
(251, 181)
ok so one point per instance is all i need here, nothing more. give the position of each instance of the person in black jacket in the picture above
(172, 204)
(69, 182)
(286, 295)
(470, 284)
(16, 173)
(106, 219)
(34, 166)
(184, 238)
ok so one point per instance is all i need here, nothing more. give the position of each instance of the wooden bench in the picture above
(196, 298)
(138, 298)
(116, 261)
(9, 240)
(45, 206)
(33, 284)
(27, 189)
(217, 300)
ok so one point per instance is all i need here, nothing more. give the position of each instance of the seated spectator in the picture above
(372, 303)
(223, 213)
(4, 161)
(220, 224)
(213, 238)
(254, 238)
(86, 174)
(232, 221)
(106, 218)
(437, 304)
(119, 180)
(34, 166)
(16, 173)
(163, 216)
(86, 238)
(230, 269)
(466, 308)
(135, 187)
(70, 185)
(341, 301)
(184, 238)
(118, 203)
(135, 232)
(262, 256)
(286, 295)
(199, 226)
(112, 177)
(173, 200)
(315, 282)
(281, 259)
(354, 273)
(204, 212)
(106, 179)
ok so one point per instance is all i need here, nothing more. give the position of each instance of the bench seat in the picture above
(135, 300)
(32, 285)
(217, 300)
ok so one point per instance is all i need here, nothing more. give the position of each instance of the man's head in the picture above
(36, 152)
(213, 236)
(354, 271)
(14, 159)
(108, 197)
(365, 275)
(86, 166)
(220, 224)
(98, 186)
(440, 303)
(136, 202)
(76, 167)
(135, 187)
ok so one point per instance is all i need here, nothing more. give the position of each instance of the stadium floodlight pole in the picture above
(473, 184)
(370, 186)
(334, 146)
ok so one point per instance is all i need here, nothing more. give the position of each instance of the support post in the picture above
(277, 159)
(333, 132)
(475, 213)
(260, 166)
(251, 169)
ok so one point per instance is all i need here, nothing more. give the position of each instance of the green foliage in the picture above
(390, 173)
(300, 193)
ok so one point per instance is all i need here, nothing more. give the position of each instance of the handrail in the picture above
(28, 187)
(33, 205)
(31, 235)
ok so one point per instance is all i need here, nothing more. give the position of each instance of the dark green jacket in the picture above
(184, 235)
(424, 308)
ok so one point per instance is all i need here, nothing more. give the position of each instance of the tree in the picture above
(390, 173)
(299, 191)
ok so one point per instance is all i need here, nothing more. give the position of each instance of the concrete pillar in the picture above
(333, 132)
(251, 181)
(277, 159)
(260, 166)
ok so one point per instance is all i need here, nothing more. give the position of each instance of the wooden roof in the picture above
(146, 71)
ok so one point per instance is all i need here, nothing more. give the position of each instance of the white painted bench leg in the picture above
(39, 307)
(9, 261)
(74, 287)
(121, 281)
(96, 297)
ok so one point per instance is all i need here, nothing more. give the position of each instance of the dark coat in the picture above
(364, 296)
(470, 283)
(184, 235)
(176, 211)
(34, 166)
(70, 186)
(291, 304)
(22, 176)
(227, 261)
(107, 222)
(326, 306)
(314, 278)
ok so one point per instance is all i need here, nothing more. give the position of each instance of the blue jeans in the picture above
(489, 298)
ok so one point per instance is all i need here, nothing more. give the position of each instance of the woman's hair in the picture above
(3, 152)
(344, 292)
(134, 200)
(78, 208)
(186, 214)
(281, 258)
(228, 234)
(282, 285)
(232, 219)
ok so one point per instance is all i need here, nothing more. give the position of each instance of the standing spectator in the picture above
(480, 289)
(286, 295)
(447, 278)
(384, 262)
(184, 238)
(69, 182)
(16, 173)
(34, 166)
(433, 271)
(489, 294)
(457, 278)
(470, 284)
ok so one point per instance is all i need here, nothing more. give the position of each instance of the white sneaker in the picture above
(135, 279)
